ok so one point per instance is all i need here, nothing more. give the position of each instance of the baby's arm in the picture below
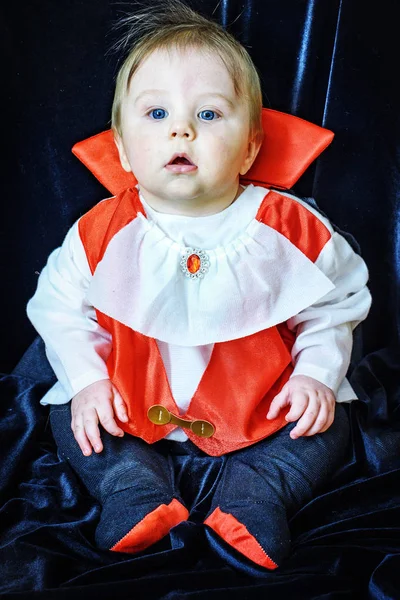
(77, 347)
(324, 338)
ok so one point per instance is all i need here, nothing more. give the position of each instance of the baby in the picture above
(193, 316)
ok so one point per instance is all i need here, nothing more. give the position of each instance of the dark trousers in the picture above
(254, 492)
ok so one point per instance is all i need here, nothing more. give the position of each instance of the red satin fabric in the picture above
(239, 537)
(290, 145)
(98, 226)
(241, 380)
(234, 393)
(296, 223)
(152, 528)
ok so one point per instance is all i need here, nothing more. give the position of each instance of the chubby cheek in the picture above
(226, 157)
(141, 155)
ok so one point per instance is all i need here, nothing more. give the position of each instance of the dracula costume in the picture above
(199, 322)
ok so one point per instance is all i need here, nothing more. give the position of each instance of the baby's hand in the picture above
(311, 402)
(98, 402)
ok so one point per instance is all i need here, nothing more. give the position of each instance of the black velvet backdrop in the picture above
(332, 62)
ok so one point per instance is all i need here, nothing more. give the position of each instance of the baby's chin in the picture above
(183, 196)
(196, 206)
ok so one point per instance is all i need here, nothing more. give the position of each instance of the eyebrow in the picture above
(205, 94)
(218, 95)
(149, 93)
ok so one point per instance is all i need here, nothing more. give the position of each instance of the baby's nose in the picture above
(182, 129)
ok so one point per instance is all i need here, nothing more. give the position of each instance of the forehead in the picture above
(190, 69)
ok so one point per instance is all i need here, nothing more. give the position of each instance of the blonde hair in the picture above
(173, 24)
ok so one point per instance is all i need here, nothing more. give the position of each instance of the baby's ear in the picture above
(252, 151)
(121, 151)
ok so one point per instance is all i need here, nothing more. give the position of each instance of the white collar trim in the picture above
(254, 282)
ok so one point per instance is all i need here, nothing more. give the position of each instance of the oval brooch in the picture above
(194, 263)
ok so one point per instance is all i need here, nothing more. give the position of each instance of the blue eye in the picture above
(207, 115)
(158, 113)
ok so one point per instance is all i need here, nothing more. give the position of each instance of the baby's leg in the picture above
(132, 481)
(264, 485)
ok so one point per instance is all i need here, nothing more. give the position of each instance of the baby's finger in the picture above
(119, 406)
(278, 403)
(106, 416)
(299, 404)
(320, 422)
(91, 425)
(80, 435)
(330, 418)
(307, 420)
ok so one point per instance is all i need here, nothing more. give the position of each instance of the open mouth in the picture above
(181, 164)
(181, 159)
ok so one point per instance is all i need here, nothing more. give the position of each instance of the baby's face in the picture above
(185, 133)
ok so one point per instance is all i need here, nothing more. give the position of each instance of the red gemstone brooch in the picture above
(194, 263)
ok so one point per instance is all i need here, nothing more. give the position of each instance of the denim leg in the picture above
(265, 484)
(131, 480)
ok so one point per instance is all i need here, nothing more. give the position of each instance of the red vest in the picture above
(243, 375)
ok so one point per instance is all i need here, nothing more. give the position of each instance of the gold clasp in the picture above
(159, 415)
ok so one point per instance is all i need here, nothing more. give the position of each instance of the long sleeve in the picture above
(324, 331)
(76, 346)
